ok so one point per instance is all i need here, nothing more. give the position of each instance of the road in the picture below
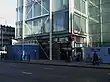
(16, 72)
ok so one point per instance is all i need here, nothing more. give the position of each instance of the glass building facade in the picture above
(94, 22)
(37, 19)
(105, 22)
(90, 18)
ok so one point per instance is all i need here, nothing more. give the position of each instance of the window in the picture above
(20, 3)
(94, 28)
(94, 9)
(28, 11)
(19, 13)
(46, 4)
(95, 31)
(83, 24)
(60, 21)
(105, 18)
(28, 28)
(17, 31)
(60, 4)
(94, 12)
(96, 2)
(46, 22)
(76, 23)
(106, 28)
(77, 4)
(37, 10)
(28, 2)
(79, 23)
(37, 26)
(20, 32)
(83, 6)
(105, 7)
(80, 5)
(105, 1)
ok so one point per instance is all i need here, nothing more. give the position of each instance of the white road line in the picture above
(28, 73)
(48, 68)
(12, 65)
(108, 73)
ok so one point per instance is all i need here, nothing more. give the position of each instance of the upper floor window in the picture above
(60, 4)
(80, 5)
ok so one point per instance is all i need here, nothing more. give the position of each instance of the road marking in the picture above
(28, 73)
(108, 73)
(48, 68)
(12, 65)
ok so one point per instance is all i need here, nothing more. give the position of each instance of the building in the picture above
(105, 21)
(83, 22)
(6, 35)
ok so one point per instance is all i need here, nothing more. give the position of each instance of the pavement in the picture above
(64, 63)
(22, 72)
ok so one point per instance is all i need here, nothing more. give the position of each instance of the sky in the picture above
(8, 12)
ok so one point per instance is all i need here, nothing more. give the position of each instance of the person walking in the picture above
(95, 59)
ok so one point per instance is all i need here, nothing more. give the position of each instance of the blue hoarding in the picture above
(15, 52)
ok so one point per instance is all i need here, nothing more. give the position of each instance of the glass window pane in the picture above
(17, 30)
(37, 10)
(20, 3)
(28, 11)
(61, 21)
(96, 2)
(60, 4)
(37, 26)
(79, 23)
(77, 4)
(66, 22)
(65, 4)
(83, 24)
(46, 25)
(80, 5)
(45, 6)
(105, 18)
(83, 6)
(28, 2)
(95, 31)
(17, 14)
(28, 28)
(105, 1)
(20, 13)
(105, 7)
(94, 12)
(76, 23)
(20, 25)
(58, 22)
(106, 27)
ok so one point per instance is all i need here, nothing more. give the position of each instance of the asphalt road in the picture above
(16, 72)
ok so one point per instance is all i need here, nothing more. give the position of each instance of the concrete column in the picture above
(101, 23)
(51, 26)
(87, 24)
(71, 12)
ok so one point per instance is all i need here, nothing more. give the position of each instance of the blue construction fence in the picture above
(31, 52)
(102, 52)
